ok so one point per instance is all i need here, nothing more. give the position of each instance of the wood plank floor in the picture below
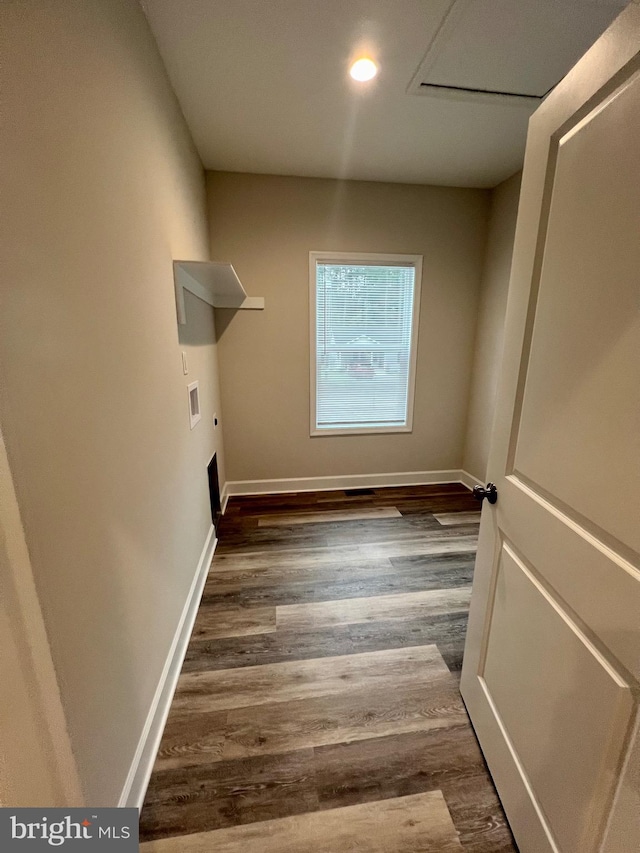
(414, 824)
(318, 707)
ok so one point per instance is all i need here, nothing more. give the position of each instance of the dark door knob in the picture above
(490, 493)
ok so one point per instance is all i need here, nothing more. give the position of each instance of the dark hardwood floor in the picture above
(318, 708)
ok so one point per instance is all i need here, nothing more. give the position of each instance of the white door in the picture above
(551, 674)
(37, 767)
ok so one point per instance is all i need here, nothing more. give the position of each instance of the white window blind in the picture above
(364, 345)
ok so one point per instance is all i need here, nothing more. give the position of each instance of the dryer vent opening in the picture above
(214, 492)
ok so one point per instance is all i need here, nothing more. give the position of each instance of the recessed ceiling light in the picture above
(363, 69)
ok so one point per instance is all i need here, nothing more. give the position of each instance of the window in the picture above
(364, 336)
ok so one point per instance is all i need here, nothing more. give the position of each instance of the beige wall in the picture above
(104, 188)
(490, 325)
(266, 226)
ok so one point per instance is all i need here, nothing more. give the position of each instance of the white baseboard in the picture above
(348, 481)
(135, 787)
(224, 498)
(469, 480)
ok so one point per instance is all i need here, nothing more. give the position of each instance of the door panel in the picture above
(597, 586)
(551, 673)
(566, 725)
(584, 354)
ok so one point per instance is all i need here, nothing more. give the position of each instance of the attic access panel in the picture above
(509, 49)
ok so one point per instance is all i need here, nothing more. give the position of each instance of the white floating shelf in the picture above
(214, 282)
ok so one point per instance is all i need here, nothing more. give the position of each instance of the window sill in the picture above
(315, 433)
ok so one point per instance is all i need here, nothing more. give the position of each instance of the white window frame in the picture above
(364, 259)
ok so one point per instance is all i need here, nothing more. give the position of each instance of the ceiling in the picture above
(264, 84)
